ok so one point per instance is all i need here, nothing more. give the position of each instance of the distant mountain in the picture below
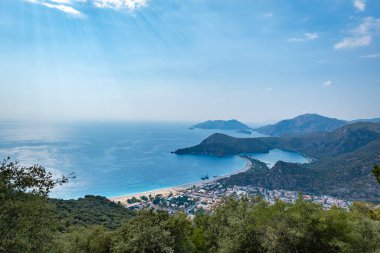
(224, 145)
(306, 123)
(343, 140)
(343, 165)
(373, 120)
(223, 125)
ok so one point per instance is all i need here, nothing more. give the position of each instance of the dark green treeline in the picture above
(30, 222)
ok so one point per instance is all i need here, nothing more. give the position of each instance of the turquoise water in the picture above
(276, 155)
(113, 159)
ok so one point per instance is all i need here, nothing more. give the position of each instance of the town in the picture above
(207, 196)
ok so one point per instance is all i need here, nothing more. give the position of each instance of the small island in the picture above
(232, 124)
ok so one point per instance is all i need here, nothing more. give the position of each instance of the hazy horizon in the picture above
(139, 60)
(187, 123)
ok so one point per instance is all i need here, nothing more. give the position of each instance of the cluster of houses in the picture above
(207, 196)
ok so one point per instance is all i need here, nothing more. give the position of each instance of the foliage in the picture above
(153, 231)
(366, 209)
(29, 223)
(251, 226)
(144, 233)
(376, 172)
(27, 219)
(93, 239)
(180, 228)
(34, 179)
(90, 210)
(133, 200)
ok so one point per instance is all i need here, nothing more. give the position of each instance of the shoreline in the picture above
(174, 189)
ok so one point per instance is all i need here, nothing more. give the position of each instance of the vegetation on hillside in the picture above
(348, 179)
(30, 222)
(223, 145)
(247, 225)
(27, 219)
(376, 172)
(342, 167)
(90, 210)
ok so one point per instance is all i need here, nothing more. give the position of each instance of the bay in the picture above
(118, 158)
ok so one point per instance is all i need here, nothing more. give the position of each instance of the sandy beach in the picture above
(166, 191)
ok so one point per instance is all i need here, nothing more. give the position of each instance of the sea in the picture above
(119, 158)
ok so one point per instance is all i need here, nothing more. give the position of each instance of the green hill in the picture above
(90, 210)
(223, 145)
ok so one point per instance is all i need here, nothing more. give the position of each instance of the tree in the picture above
(34, 179)
(250, 226)
(27, 219)
(145, 233)
(180, 228)
(93, 239)
(376, 172)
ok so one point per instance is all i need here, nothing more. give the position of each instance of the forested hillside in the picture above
(30, 222)
(90, 210)
(342, 165)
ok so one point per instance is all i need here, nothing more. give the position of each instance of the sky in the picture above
(189, 60)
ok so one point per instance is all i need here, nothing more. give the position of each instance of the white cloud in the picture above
(368, 25)
(359, 5)
(306, 37)
(327, 83)
(361, 35)
(61, 1)
(62, 5)
(353, 42)
(121, 4)
(64, 8)
(269, 89)
(370, 56)
(69, 6)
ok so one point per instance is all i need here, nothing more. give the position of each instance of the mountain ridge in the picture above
(343, 165)
(302, 124)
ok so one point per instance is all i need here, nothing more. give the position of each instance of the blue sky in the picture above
(254, 60)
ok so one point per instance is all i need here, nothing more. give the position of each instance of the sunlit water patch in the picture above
(113, 159)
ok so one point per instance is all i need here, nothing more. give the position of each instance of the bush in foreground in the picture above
(30, 223)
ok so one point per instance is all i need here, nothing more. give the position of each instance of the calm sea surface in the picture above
(113, 159)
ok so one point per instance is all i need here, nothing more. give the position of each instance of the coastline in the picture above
(174, 189)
